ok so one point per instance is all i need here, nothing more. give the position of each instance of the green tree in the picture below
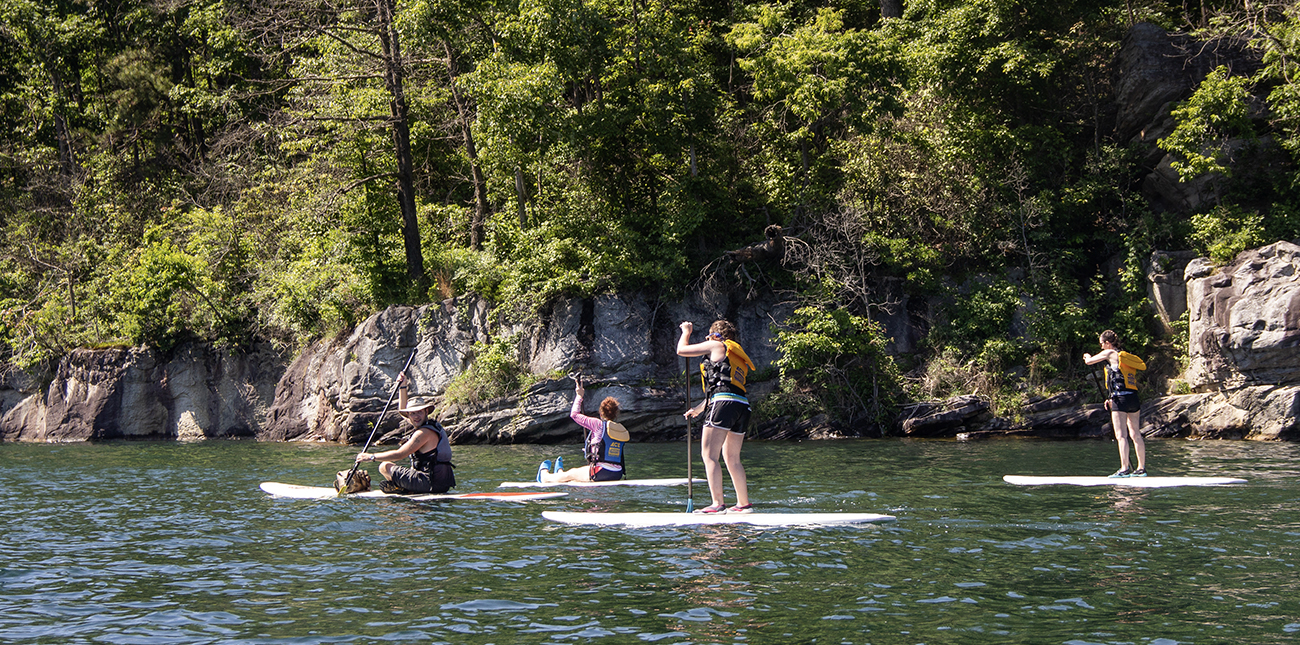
(835, 362)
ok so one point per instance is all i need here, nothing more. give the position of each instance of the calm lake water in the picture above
(174, 543)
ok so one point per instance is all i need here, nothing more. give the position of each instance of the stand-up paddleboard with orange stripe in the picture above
(295, 491)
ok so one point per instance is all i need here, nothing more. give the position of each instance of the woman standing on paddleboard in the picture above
(722, 372)
(1124, 406)
(604, 449)
(429, 450)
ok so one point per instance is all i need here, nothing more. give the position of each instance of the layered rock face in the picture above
(1243, 349)
(624, 347)
(136, 393)
(336, 389)
(1245, 320)
(1156, 70)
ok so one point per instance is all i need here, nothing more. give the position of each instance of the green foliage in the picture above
(495, 371)
(836, 362)
(1227, 230)
(978, 322)
(1279, 40)
(158, 290)
(228, 172)
(1217, 112)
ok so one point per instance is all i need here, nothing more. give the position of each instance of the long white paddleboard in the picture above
(620, 482)
(687, 519)
(1135, 482)
(319, 492)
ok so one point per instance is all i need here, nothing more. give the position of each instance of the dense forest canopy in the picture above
(276, 170)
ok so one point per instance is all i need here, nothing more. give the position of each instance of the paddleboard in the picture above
(687, 519)
(1134, 482)
(320, 492)
(620, 482)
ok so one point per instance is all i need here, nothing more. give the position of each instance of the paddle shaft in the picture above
(347, 482)
(1099, 382)
(690, 497)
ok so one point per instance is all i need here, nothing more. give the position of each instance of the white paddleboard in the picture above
(319, 492)
(686, 519)
(620, 482)
(1135, 482)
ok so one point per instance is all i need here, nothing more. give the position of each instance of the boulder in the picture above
(944, 418)
(1167, 286)
(1245, 320)
(1261, 412)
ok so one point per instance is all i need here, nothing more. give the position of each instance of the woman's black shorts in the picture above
(1125, 402)
(732, 416)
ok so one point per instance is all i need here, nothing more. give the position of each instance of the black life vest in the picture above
(728, 374)
(425, 461)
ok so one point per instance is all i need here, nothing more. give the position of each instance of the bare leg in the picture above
(1119, 424)
(1134, 432)
(386, 469)
(579, 474)
(711, 443)
(731, 455)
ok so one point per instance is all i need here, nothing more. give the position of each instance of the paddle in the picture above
(1098, 382)
(690, 498)
(355, 465)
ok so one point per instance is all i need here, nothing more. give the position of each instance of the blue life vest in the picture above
(610, 448)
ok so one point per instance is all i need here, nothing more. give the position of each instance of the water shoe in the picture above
(1141, 472)
(544, 468)
(716, 508)
(390, 488)
(1121, 473)
(559, 464)
(747, 508)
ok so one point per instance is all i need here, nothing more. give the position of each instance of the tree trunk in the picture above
(393, 74)
(521, 197)
(891, 8)
(479, 218)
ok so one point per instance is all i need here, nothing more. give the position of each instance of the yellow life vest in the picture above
(728, 374)
(1126, 378)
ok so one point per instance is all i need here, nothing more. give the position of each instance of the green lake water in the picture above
(175, 543)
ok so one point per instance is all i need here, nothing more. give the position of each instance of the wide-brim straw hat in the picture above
(417, 404)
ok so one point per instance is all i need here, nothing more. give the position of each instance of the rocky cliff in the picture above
(194, 393)
(624, 346)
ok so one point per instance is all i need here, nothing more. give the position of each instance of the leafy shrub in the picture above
(1218, 111)
(835, 362)
(979, 323)
(1227, 230)
(495, 372)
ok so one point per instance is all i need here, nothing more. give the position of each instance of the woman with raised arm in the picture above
(605, 447)
(723, 370)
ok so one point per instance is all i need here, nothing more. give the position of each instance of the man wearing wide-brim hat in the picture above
(429, 450)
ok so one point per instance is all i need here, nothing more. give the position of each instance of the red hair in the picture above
(609, 409)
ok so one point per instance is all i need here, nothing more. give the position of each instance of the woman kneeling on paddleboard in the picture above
(605, 446)
(428, 448)
(1124, 406)
(722, 371)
